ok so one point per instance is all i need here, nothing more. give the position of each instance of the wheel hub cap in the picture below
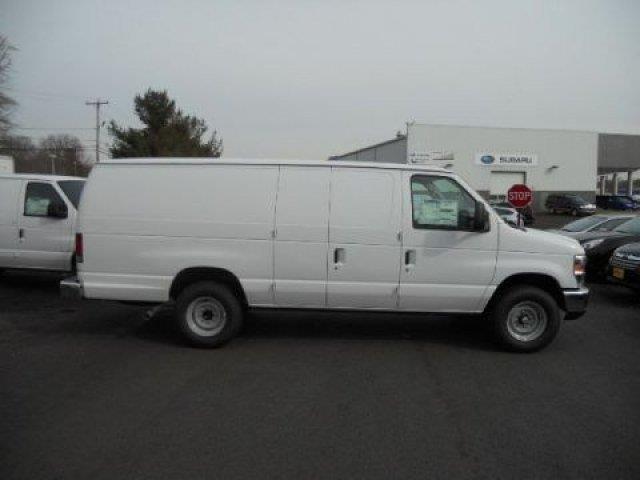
(527, 321)
(206, 316)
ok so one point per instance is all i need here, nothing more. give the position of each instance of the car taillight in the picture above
(79, 248)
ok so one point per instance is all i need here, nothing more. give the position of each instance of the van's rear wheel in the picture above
(526, 319)
(208, 314)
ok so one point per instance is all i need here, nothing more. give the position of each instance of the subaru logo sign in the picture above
(487, 159)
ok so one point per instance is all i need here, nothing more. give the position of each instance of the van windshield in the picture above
(72, 190)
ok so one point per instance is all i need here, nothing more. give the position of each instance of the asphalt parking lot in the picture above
(99, 390)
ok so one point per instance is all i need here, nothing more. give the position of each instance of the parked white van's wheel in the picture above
(208, 313)
(526, 319)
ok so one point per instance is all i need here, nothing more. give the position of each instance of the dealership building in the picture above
(493, 159)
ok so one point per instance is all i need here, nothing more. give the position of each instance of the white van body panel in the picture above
(159, 221)
(297, 235)
(437, 280)
(535, 251)
(34, 242)
(364, 241)
(301, 237)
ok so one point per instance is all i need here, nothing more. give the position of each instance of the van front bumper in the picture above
(71, 288)
(575, 302)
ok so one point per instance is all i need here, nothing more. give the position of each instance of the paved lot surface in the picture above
(99, 391)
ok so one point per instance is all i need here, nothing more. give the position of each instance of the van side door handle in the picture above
(409, 259)
(21, 233)
(339, 258)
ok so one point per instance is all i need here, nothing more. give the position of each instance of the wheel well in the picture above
(542, 281)
(201, 274)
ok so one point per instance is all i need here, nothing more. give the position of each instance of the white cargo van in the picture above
(221, 236)
(37, 221)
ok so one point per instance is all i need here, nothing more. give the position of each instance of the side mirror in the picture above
(481, 221)
(57, 210)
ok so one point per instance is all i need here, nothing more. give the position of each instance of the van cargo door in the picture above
(301, 236)
(364, 240)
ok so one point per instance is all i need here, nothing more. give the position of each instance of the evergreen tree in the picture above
(167, 131)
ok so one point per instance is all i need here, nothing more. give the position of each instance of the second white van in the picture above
(37, 221)
(219, 237)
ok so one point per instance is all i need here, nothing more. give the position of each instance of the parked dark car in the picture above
(615, 202)
(599, 246)
(594, 223)
(624, 266)
(569, 203)
(526, 212)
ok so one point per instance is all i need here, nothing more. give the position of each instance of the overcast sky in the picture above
(308, 79)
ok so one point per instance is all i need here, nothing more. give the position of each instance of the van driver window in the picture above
(38, 198)
(441, 203)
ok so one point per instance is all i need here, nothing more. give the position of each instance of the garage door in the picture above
(501, 182)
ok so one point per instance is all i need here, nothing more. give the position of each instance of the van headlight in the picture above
(579, 265)
(592, 243)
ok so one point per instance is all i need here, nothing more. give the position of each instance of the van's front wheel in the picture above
(526, 319)
(208, 314)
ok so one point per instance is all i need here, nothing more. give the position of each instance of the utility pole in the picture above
(97, 103)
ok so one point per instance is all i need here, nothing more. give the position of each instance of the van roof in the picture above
(36, 176)
(242, 161)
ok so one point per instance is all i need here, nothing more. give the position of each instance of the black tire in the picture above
(526, 296)
(226, 314)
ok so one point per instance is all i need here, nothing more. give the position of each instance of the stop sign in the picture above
(519, 196)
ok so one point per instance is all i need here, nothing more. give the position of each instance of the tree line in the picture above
(166, 131)
(60, 154)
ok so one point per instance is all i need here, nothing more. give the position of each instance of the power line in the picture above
(42, 94)
(56, 149)
(52, 128)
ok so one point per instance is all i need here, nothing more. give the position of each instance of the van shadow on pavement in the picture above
(33, 302)
(464, 331)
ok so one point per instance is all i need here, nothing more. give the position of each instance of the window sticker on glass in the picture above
(437, 212)
(36, 206)
(440, 203)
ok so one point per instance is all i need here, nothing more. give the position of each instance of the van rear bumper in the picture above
(71, 288)
(575, 302)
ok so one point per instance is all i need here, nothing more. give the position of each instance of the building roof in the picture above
(400, 138)
(37, 176)
(238, 161)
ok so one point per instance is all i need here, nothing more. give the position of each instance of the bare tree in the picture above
(23, 151)
(65, 155)
(62, 154)
(6, 102)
